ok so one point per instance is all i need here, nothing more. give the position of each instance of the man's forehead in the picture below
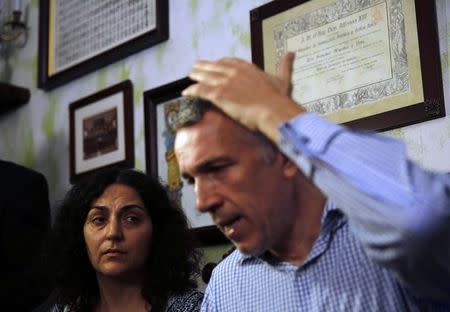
(193, 147)
(200, 132)
(212, 134)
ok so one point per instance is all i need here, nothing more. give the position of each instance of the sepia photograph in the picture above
(100, 134)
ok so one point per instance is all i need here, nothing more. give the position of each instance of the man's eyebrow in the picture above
(207, 165)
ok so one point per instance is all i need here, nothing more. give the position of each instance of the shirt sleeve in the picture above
(208, 304)
(397, 210)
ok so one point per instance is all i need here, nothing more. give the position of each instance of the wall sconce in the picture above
(14, 28)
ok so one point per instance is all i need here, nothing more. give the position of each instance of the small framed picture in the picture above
(161, 105)
(101, 131)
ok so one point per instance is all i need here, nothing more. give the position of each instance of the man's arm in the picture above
(398, 211)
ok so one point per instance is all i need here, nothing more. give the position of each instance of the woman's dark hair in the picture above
(173, 261)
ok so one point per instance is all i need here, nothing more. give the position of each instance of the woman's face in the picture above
(117, 232)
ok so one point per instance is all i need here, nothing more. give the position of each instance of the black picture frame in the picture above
(165, 95)
(431, 107)
(108, 116)
(48, 81)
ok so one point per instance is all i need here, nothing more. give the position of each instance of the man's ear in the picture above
(290, 169)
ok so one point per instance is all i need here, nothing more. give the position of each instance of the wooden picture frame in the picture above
(159, 105)
(76, 38)
(101, 131)
(374, 67)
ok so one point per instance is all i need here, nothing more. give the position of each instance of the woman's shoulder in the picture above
(186, 301)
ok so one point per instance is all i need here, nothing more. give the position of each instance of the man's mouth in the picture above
(228, 226)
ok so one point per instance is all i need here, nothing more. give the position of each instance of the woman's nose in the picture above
(114, 230)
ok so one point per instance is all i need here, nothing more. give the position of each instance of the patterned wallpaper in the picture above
(36, 135)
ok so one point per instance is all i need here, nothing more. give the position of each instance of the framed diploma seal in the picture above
(373, 65)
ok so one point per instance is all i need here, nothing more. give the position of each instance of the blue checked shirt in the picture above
(385, 238)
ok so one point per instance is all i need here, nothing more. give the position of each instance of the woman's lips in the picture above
(113, 251)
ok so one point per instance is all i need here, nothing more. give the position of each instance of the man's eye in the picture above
(217, 168)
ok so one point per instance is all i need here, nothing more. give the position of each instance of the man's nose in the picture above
(207, 199)
(114, 230)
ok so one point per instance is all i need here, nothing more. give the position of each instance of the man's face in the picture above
(246, 195)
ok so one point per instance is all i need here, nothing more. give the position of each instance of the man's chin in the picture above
(248, 250)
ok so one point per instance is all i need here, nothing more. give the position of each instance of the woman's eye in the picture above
(132, 219)
(98, 220)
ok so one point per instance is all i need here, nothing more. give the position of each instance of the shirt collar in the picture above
(327, 210)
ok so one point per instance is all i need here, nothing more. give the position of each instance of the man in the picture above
(24, 223)
(358, 228)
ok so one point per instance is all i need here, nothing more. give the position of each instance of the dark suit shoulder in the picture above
(7, 167)
(13, 175)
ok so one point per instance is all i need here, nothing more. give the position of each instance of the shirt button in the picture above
(304, 140)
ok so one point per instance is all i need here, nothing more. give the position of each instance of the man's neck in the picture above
(301, 235)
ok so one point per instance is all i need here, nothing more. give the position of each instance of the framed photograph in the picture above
(160, 106)
(101, 131)
(78, 37)
(372, 64)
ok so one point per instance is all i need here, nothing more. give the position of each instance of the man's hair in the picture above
(192, 110)
(172, 264)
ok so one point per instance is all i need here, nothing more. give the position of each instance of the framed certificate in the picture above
(161, 106)
(372, 64)
(78, 37)
(101, 131)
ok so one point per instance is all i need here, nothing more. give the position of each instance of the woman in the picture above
(119, 244)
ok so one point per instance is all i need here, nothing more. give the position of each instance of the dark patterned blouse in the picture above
(189, 301)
